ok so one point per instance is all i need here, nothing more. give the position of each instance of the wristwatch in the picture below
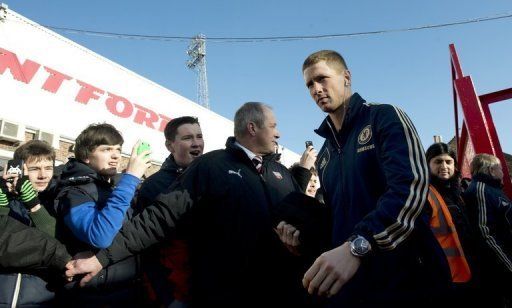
(359, 246)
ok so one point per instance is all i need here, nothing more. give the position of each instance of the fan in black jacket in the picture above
(165, 265)
(224, 206)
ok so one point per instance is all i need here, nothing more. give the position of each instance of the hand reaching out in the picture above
(308, 158)
(138, 163)
(83, 263)
(289, 235)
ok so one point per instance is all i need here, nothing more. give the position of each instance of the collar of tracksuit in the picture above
(327, 128)
(487, 179)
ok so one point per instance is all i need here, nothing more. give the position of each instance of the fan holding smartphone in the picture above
(308, 158)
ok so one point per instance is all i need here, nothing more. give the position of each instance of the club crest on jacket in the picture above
(365, 135)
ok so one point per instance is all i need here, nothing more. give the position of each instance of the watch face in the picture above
(360, 246)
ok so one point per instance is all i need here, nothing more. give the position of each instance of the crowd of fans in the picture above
(369, 220)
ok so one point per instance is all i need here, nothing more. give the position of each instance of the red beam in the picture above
(497, 96)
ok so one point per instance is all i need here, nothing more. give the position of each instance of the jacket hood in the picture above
(77, 172)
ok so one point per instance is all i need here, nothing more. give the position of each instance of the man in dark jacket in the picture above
(490, 214)
(375, 179)
(184, 139)
(223, 203)
(166, 265)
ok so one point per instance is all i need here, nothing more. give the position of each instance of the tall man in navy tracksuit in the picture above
(375, 179)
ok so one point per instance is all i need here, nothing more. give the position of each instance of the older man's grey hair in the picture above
(482, 164)
(249, 112)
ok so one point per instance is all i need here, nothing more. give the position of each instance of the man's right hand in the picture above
(83, 263)
(138, 163)
(7, 182)
(331, 271)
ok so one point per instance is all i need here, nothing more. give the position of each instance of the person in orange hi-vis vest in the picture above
(449, 221)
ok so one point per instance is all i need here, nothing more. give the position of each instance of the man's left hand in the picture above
(331, 271)
(27, 192)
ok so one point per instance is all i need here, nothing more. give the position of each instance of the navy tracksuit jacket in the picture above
(375, 178)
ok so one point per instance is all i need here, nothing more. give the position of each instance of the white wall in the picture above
(38, 57)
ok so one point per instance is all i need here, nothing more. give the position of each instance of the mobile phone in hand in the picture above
(144, 146)
(309, 143)
(14, 166)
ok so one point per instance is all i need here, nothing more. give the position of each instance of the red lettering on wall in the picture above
(23, 73)
(163, 122)
(114, 101)
(145, 115)
(115, 104)
(54, 80)
(87, 92)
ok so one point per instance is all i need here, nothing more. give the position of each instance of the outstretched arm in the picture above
(23, 247)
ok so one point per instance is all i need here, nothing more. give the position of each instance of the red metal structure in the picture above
(478, 133)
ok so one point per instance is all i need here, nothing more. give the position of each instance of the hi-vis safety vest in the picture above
(444, 230)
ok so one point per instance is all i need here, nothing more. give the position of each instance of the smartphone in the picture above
(144, 146)
(14, 166)
(309, 143)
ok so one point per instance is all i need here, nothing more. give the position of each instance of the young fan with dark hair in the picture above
(91, 211)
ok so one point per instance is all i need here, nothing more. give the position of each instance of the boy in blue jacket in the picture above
(91, 210)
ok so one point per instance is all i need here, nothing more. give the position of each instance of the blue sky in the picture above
(408, 69)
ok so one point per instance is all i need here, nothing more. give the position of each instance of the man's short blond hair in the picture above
(482, 164)
(331, 57)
